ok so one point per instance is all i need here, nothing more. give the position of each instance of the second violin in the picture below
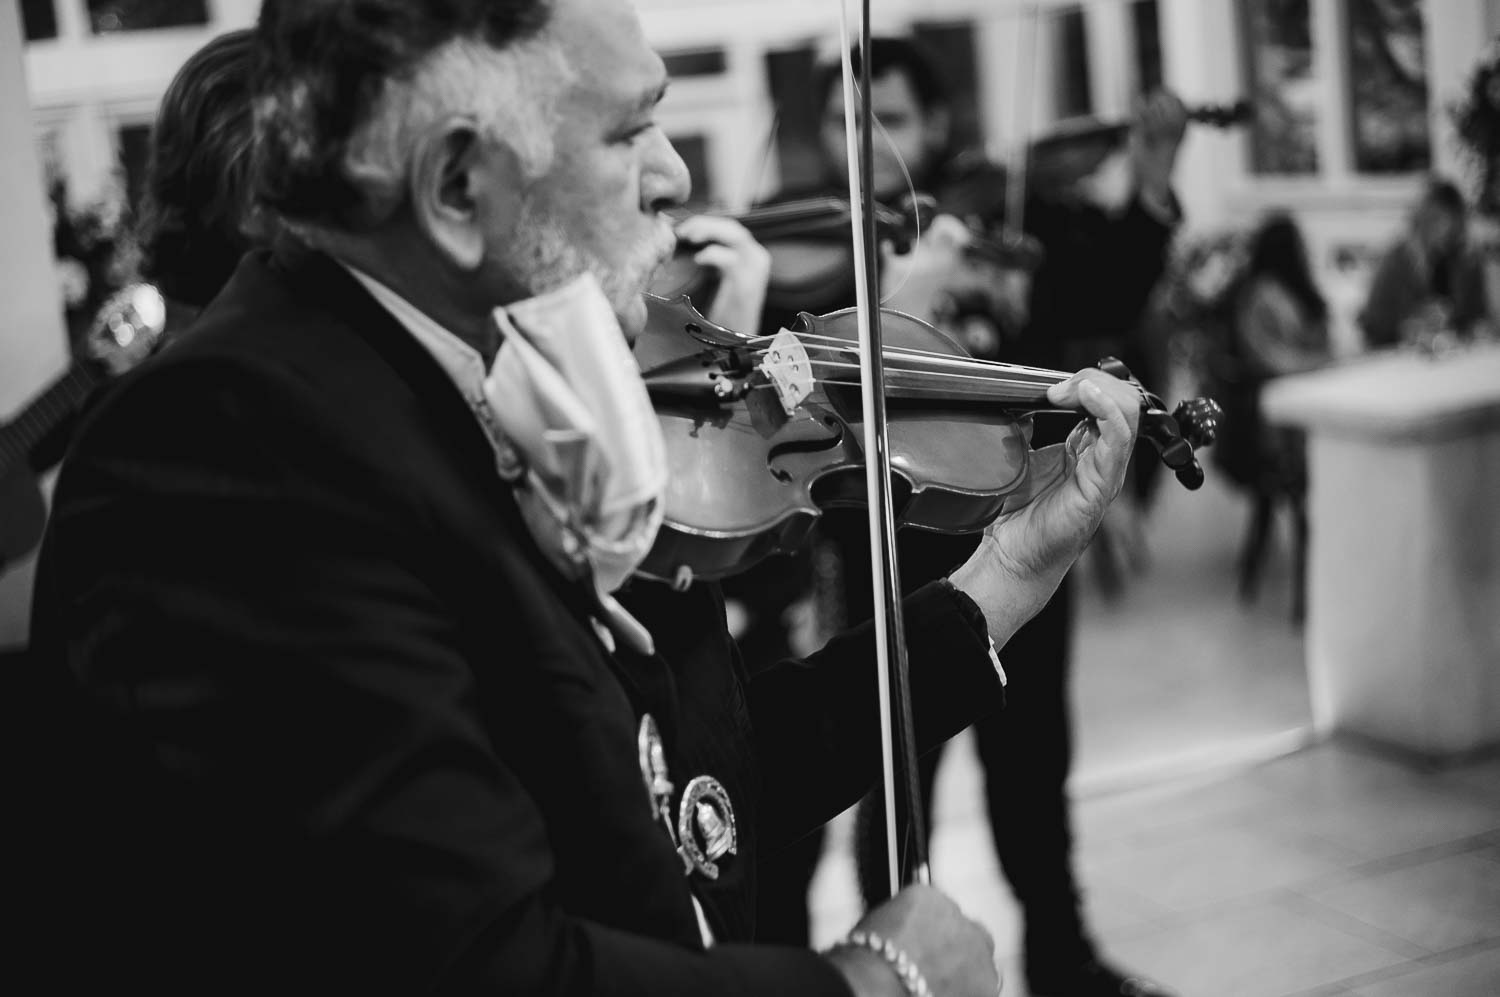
(812, 264)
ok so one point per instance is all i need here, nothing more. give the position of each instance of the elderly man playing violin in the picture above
(352, 687)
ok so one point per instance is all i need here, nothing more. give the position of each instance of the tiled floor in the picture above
(1333, 871)
(1344, 872)
(1222, 851)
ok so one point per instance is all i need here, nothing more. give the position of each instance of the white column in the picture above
(33, 347)
(1201, 62)
(228, 15)
(1330, 34)
(72, 21)
(1006, 77)
(1111, 47)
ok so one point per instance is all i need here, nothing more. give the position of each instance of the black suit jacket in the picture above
(329, 720)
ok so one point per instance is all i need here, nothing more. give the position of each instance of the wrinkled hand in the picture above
(744, 268)
(1155, 138)
(955, 955)
(1025, 553)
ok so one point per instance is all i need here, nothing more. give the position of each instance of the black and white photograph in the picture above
(750, 498)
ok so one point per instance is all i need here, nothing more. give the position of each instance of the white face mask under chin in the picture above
(568, 394)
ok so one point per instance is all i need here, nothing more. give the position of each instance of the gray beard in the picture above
(542, 257)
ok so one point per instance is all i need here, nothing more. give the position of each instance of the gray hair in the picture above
(511, 95)
(330, 70)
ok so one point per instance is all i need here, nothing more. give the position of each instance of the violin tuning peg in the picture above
(1163, 432)
(1115, 368)
(1191, 475)
(1198, 420)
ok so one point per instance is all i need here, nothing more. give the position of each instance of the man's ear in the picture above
(446, 185)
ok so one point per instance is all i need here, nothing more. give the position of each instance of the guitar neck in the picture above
(62, 398)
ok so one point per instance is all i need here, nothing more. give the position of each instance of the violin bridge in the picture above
(789, 369)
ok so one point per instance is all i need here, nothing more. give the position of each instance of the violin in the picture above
(812, 263)
(764, 433)
(1072, 150)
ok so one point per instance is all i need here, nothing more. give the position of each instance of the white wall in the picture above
(33, 346)
(86, 85)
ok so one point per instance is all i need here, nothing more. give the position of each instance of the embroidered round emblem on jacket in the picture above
(705, 825)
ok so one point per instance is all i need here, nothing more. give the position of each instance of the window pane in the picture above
(1282, 78)
(38, 20)
(135, 152)
(694, 152)
(695, 62)
(953, 46)
(1388, 86)
(1072, 83)
(1146, 21)
(793, 80)
(136, 15)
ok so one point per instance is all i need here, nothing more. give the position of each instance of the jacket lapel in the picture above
(322, 282)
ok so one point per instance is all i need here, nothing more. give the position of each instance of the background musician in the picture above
(1104, 218)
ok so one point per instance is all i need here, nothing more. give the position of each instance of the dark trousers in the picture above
(1026, 752)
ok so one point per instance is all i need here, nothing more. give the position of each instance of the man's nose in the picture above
(665, 181)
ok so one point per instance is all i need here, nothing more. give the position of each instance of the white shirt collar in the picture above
(460, 361)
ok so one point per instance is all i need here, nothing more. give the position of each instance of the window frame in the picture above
(1336, 175)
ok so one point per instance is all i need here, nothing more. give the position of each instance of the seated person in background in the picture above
(1427, 281)
(1280, 317)
(1277, 324)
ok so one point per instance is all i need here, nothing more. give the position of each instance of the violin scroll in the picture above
(1175, 435)
(1192, 424)
(1199, 420)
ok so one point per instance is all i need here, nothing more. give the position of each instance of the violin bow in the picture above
(897, 731)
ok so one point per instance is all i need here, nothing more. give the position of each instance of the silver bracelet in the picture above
(910, 976)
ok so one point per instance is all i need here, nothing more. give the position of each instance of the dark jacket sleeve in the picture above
(294, 790)
(817, 722)
(1099, 270)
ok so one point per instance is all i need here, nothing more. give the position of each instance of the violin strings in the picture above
(944, 359)
(941, 375)
(1048, 377)
(842, 346)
